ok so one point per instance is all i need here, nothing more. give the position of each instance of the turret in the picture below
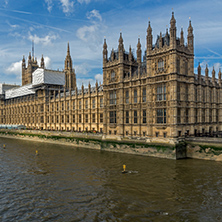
(213, 75)
(206, 74)
(149, 39)
(173, 31)
(130, 54)
(190, 37)
(89, 86)
(138, 51)
(105, 52)
(160, 41)
(199, 70)
(23, 62)
(121, 46)
(30, 58)
(181, 38)
(219, 77)
(69, 71)
(42, 62)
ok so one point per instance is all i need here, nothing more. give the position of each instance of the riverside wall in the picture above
(196, 148)
(136, 146)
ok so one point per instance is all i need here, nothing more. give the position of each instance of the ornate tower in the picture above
(69, 71)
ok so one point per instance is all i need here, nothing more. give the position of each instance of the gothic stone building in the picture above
(155, 95)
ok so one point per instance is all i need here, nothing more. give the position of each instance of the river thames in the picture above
(63, 183)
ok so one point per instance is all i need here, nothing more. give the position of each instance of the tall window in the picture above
(93, 103)
(178, 116)
(80, 106)
(161, 92)
(73, 119)
(186, 92)
(93, 117)
(144, 116)
(210, 115)
(178, 91)
(144, 95)
(196, 115)
(112, 98)
(112, 116)
(160, 64)
(178, 65)
(135, 95)
(203, 115)
(127, 116)
(67, 105)
(86, 104)
(186, 67)
(127, 96)
(101, 117)
(67, 118)
(195, 94)
(187, 116)
(73, 105)
(80, 118)
(161, 115)
(62, 106)
(86, 118)
(113, 75)
(135, 116)
(203, 94)
(101, 102)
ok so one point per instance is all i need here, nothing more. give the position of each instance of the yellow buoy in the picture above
(124, 167)
(36, 152)
(3, 146)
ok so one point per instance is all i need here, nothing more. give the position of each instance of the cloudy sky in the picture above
(84, 23)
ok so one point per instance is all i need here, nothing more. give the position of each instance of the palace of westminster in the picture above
(155, 95)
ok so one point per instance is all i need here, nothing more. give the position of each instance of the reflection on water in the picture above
(70, 184)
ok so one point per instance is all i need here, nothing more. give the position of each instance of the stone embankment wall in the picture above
(99, 142)
(204, 148)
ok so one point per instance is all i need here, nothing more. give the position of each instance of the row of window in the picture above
(160, 116)
(160, 93)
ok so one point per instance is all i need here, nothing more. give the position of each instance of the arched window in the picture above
(113, 75)
(160, 64)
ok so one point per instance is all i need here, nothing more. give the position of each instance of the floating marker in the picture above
(124, 169)
(3, 146)
(36, 152)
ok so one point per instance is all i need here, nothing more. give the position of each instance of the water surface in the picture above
(64, 183)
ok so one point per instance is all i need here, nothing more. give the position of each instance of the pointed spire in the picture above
(213, 75)
(173, 21)
(130, 54)
(181, 37)
(199, 70)
(42, 62)
(121, 46)
(105, 52)
(173, 31)
(206, 74)
(160, 40)
(23, 62)
(190, 37)
(97, 85)
(68, 51)
(219, 76)
(30, 58)
(89, 86)
(149, 29)
(190, 28)
(149, 39)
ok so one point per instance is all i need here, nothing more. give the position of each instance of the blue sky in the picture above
(84, 23)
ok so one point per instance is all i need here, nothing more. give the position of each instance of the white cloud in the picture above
(82, 69)
(99, 77)
(12, 26)
(92, 34)
(84, 1)
(5, 3)
(94, 14)
(49, 5)
(48, 62)
(47, 40)
(15, 68)
(67, 6)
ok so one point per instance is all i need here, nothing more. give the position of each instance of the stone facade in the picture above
(152, 96)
